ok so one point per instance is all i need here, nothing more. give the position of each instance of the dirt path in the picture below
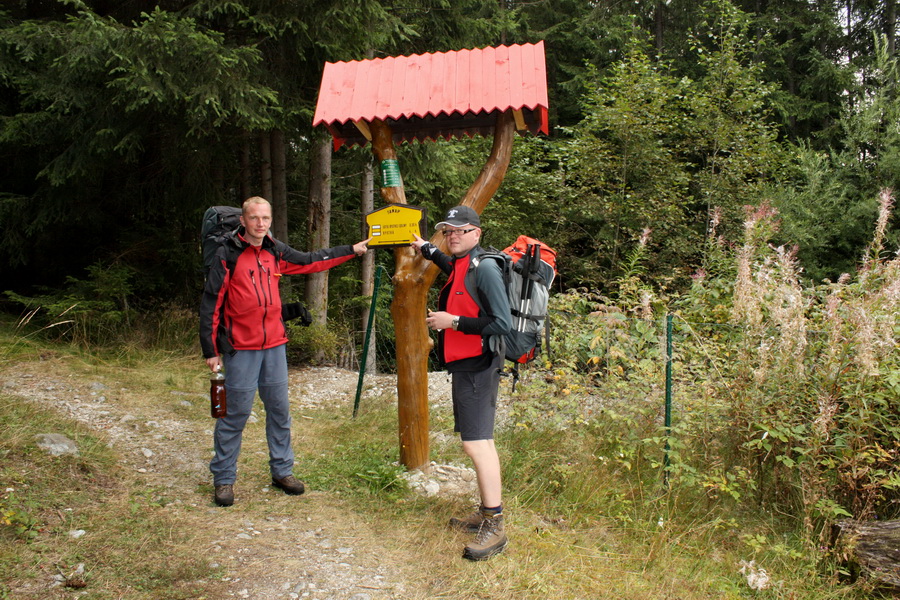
(271, 546)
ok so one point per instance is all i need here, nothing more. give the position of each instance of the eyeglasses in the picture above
(449, 232)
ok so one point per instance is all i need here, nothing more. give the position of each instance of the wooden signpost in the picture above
(490, 91)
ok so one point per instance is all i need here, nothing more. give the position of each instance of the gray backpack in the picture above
(529, 268)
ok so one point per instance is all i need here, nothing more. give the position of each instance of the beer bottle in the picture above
(217, 394)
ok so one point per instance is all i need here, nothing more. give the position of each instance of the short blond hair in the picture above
(253, 200)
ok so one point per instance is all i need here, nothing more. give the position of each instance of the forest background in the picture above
(124, 121)
(730, 163)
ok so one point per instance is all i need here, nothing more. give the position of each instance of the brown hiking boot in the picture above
(224, 495)
(491, 539)
(470, 523)
(289, 485)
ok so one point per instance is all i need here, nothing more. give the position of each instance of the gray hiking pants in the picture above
(245, 373)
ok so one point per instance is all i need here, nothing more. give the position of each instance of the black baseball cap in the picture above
(460, 216)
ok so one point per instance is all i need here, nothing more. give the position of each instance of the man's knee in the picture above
(474, 448)
(275, 399)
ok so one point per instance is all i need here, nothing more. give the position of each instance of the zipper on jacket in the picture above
(265, 301)
(259, 301)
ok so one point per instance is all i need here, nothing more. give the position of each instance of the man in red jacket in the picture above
(241, 328)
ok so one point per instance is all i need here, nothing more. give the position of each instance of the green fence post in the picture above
(365, 352)
(668, 397)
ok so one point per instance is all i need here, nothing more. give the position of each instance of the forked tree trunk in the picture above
(659, 25)
(413, 276)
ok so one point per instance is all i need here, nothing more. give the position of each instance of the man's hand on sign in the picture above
(360, 248)
(418, 242)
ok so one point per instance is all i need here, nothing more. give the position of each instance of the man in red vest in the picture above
(473, 310)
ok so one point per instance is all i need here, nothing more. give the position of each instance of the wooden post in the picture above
(408, 312)
(412, 278)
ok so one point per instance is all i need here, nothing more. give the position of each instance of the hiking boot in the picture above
(470, 523)
(289, 485)
(491, 539)
(224, 495)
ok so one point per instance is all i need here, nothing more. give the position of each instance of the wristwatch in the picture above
(455, 323)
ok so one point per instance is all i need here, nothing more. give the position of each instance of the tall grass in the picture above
(819, 376)
(787, 394)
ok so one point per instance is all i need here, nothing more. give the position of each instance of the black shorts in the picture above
(475, 402)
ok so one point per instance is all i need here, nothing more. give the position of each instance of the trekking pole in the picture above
(535, 273)
(534, 257)
(518, 310)
(525, 300)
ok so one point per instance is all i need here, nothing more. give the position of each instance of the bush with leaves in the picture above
(784, 394)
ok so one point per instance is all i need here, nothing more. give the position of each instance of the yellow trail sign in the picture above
(395, 225)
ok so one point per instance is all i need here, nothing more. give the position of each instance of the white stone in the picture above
(56, 444)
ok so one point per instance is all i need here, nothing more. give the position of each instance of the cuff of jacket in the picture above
(428, 250)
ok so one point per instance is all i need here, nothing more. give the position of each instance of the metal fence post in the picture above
(668, 397)
(365, 352)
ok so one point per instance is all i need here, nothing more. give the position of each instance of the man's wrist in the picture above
(427, 249)
(454, 323)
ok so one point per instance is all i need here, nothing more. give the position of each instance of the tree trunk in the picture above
(890, 25)
(265, 165)
(367, 269)
(413, 276)
(246, 187)
(319, 225)
(870, 549)
(279, 186)
(217, 175)
(659, 25)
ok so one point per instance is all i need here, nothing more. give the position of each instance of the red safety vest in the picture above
(459, 345)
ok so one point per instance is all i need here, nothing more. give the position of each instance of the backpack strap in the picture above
(495, 343)
(502, 261)
(231, 255)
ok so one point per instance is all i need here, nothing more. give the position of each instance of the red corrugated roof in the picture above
(426, 96)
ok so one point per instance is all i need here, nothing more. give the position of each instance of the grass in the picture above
(132, 548)
(588, 516)
(579, 528)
